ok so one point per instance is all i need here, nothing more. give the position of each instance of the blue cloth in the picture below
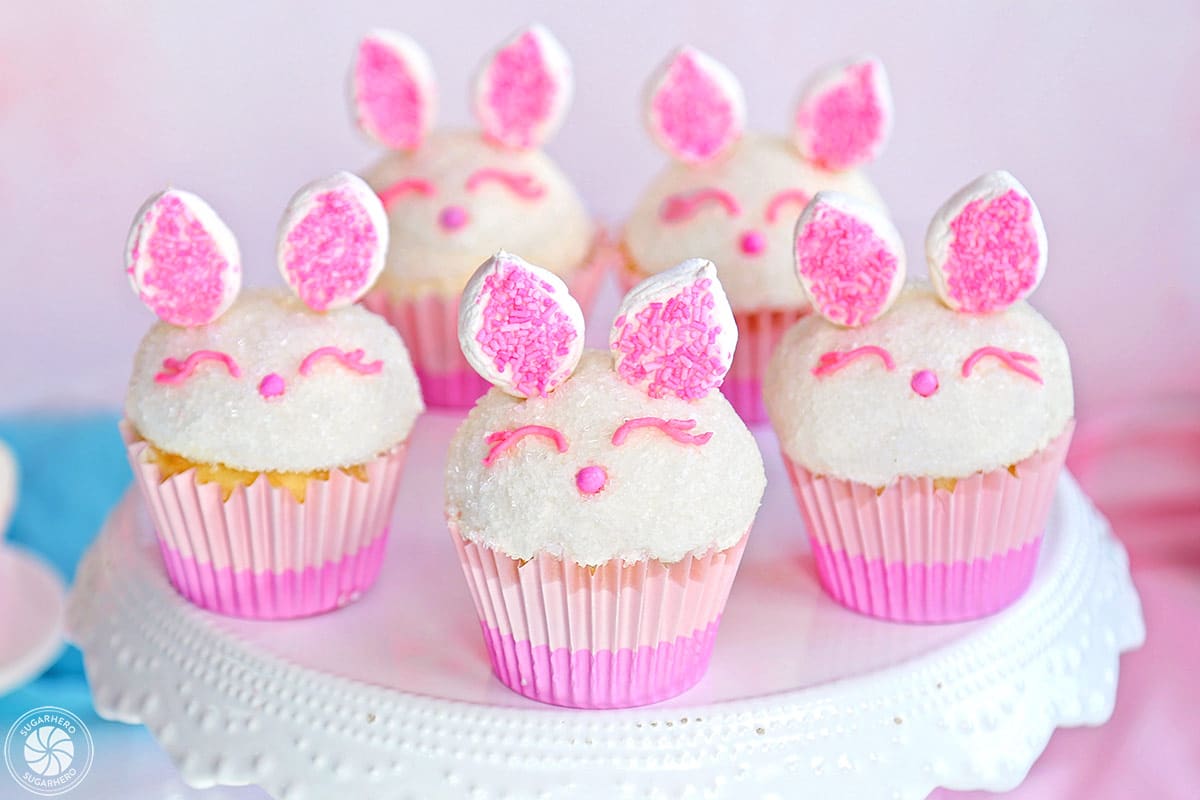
(72, 471)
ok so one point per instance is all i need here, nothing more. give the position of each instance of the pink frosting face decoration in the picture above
(683, 207)
(845, 115)
(831, 362)
(1017, 362)
(407, 187)
(176, 372)
(676, 429)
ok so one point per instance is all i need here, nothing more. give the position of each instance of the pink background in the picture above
(1093, 106)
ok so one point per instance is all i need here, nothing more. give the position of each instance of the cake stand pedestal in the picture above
(392, 697)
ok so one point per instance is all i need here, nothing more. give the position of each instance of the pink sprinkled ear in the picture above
(519, 327)
(182, 260)
(332, 241)
(986, 247)
(695, 107)
(393, 90)
(849, 259)
(845, 115)
(674, 333)
(523, 90)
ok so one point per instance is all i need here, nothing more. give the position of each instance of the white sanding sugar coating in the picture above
(663, 498)
(752, 248)
(279, 413)
(866, 423)
(458, 198)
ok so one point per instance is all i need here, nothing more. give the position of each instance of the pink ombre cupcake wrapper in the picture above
(261, 554)
(917, 553)
(623, 635)
(429, 326)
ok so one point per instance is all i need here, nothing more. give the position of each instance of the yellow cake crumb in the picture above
(229, 478)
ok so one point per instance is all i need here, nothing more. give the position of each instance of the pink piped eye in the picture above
(522, 184)
(845, 115)
(788, 197)
(696, 108)
(175, 372)
(406, 187)
(682, 207)
(349, 359)
(834, 360)
(1017, 362)
(393, 90)
(677, 429)
(523, 91)
(502, 441)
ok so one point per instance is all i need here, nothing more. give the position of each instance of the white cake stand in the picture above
(392, 697)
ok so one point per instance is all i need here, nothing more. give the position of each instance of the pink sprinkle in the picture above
(848, 267)
(331, 250)
(452, 218)
(271, 385)
(924, 382)
(390, 101)
(501, 441)
(176, 372)
(672, 344)
(403, 187)
(521, 184)
(591, 480)
(520, 94)
(992, 260)
(682, 207)
(693, 113)
(797, 196)
(831, 362)
(675, 428)
(185, 283)
(847, 122)
(753, 243)
(523, 328)
(352, 359)
(1011, 359)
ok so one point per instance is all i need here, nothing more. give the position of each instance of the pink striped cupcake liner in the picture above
(617, 636)
(429, 326)
(261, 554)
(920, 552)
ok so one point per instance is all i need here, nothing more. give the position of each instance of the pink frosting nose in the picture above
(271, 386)
(591, 480)
(452, 218)
(925, 382)
(753, 243)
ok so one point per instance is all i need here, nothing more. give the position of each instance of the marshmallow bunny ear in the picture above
(674, 332)
(845, 114)
(182, 260)
(332, 241)
(695, 107)
(8, 486)
(519, 327)
(392, 89)
(986, 247)
(523, 90)
(849, 259)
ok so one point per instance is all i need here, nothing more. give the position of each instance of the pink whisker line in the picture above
(675, 428)
(352, 359)
(681, 207)
(176, 371)
(520, 183)
(400, 188)
(831, 362)
(1010, 358)
(501, 441)
(798, 196)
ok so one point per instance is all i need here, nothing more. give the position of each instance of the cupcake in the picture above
(923, 425)
(268, 431)
(452, 197)
(600, 501)
(735, 198)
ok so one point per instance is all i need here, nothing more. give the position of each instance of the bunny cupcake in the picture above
(600, 500)
(734, 197)
(453, 197)
(923, 426)
(268, 432)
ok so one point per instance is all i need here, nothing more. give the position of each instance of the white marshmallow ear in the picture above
(844, 116)
(695, 107)
(392, 90)
(519, 327)
(675, 333)
(332, 241)
(523, 90)
(182, 260)
(8, 486)
(986, 247)
(849, 259)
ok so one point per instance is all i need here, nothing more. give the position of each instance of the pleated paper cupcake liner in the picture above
(616, 636)
(261, 554)
(922, 551)
(429, 326)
